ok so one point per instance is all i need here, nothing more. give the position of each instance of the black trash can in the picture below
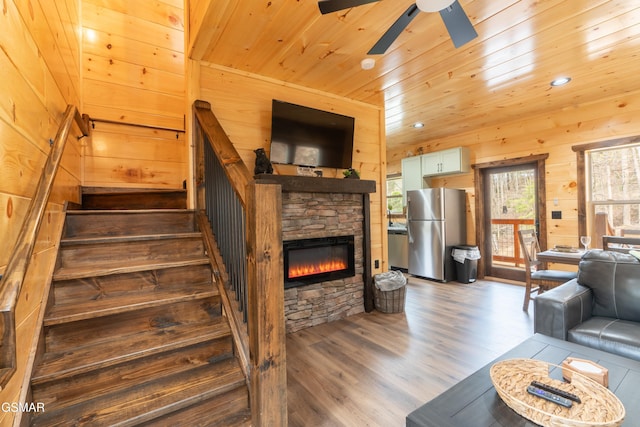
(466, 260)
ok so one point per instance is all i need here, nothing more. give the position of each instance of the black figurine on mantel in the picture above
(263, 165)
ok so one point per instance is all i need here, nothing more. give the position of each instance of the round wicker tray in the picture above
(599, 407)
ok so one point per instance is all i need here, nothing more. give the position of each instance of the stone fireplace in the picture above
(325, 209)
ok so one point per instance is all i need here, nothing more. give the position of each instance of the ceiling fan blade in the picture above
(458, 24)
(394, 31)
(328, 6)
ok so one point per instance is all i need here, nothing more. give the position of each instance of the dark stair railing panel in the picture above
(246, 218)
(228, 223)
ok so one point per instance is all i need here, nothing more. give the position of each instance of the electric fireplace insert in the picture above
(308, 261)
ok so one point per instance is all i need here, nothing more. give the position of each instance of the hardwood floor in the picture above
(373, 369)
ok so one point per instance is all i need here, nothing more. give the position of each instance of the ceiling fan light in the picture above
(433, 5)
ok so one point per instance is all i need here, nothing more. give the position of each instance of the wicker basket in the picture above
(599, 407)
(390, 301)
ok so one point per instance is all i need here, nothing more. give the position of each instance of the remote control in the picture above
(549, 396)
(557, 391)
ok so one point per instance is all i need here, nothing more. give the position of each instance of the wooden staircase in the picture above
(134, 332)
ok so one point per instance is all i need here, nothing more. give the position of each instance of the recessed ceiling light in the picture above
(418, 125)
(560, 81)
(367, 63)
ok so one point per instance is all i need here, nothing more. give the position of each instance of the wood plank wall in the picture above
(39, 76)
(133, 61)
(242, 104)
(553, 133)
(135, 157)
(133, 73)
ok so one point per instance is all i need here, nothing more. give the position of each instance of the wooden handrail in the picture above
(519, 221)
(235, 169)
(137, 125)
(16, 270)
(620, 243)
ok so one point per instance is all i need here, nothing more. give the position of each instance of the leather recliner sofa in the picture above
(598, 309)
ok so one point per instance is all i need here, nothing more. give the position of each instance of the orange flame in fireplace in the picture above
(311, 269)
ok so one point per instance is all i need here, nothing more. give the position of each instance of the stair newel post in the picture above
(266, 321)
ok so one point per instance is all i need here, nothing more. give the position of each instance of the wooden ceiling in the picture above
(502, 75)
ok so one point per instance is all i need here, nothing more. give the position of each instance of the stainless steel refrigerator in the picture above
(436, 223)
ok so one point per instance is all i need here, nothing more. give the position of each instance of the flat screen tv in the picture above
(305, 136)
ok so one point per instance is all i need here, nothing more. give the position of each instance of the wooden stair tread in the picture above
(125, 301)
(104, 223)
(118, 349)
(150, 400)
(114, 379)
(84, 212)
(104, 269)
(123, 239)
(230, 410)
(133, 198)
(120, 190)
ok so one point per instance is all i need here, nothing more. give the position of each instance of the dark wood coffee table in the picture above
(474, 401)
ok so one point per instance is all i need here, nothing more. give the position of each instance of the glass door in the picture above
(510, 204)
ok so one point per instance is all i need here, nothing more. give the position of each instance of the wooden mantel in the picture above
(308, 184)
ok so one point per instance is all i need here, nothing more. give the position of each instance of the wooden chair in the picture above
(536, 279)
(620, 243)
(630, 232)
(602, 228)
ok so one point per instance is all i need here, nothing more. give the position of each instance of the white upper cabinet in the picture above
(454, 160)
(416, 170)
(412, 177)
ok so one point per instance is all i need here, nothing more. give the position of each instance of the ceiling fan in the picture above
(454, 17)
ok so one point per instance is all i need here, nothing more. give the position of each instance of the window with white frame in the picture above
(394, 194)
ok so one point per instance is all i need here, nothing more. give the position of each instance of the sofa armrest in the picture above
(562, 308)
